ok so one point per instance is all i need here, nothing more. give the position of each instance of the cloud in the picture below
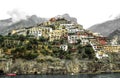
(17, 15)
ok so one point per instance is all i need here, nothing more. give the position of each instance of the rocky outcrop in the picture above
(114, 34)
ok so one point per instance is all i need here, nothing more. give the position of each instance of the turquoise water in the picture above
(108, 75)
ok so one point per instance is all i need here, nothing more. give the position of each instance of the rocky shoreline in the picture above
(58, 67)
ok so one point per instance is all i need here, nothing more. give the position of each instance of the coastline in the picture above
(72, 73)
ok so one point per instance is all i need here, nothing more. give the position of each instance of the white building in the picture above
(97, 34)
(39, 31)
(72, 30)
(67, 26)
(64, 47)
(73, 38)
(35, 31)
(101, 55)
(84, 39)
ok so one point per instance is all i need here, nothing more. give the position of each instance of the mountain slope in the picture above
(67, 17)
(107, 27)
(5, 23)
(116, 33)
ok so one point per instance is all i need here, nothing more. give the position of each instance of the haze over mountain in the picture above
(67, 17)
(7, 25)
(107, 27)
(6, 22)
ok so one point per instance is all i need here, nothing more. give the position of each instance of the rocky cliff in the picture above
(58, 67)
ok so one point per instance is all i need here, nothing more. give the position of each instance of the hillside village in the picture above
(56, 38)
(70, 32)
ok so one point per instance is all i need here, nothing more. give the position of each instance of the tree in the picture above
(28, 32)
(70, 46)
(89, 52)
(42, 39)
(29, 46)
(78, 41)
(44, 52)
(86, 51)
(21, 38)
(1, 39)
(33, 44)
(30, 56)
(19, 52)
(14, 36)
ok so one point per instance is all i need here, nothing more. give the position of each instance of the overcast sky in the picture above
(87, 12)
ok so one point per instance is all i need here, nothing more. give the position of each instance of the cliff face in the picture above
(107, 27)
(58, 67)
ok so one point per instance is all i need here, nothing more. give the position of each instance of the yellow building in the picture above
(19, 32)
(35, 31)
(47, 23)
(13, 31)
(57, 34)
(112, 48)
(46, 31)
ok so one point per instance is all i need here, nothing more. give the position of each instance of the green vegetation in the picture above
(25, 47)
(114, 57)
(86, 51)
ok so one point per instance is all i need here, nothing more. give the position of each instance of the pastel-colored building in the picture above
(34, 31)
(56, 34)
(112, 48)
(46, 31)
(19, 31)
(101, 40)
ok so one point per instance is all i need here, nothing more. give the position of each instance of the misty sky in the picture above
(88, 12)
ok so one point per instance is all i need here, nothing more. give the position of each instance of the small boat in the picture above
(11, 74)
(72, 74)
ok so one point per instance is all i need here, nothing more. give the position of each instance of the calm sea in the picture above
(108, 75)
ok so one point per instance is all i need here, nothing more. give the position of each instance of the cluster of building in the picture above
(59, 28)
